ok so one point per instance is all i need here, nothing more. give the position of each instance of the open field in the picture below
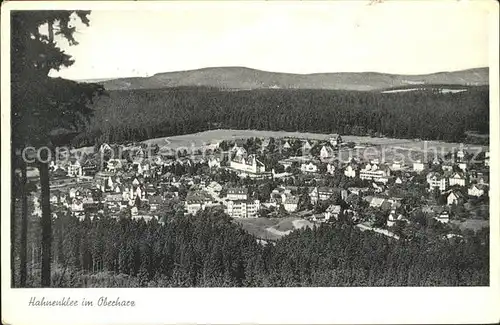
(272, 228)
(382, 148)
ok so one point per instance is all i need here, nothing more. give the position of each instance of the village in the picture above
(271, 178)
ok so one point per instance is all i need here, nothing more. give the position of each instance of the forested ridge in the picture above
(428, 113)
(209, 250)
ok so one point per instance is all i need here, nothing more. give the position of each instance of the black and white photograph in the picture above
(259, 145)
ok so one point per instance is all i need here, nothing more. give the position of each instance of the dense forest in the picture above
(209, 250)
(428, 113)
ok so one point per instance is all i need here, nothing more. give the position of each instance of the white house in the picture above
(75, 169)
(247, 164)
(196, 201)
(335, 140)
(437, 181)
(237, 193)
(447, 167)
(396, 165)
(242, 208)
(326, 152)
(291, 203)
(476, 190)
(443, 217)
(457, 179)
(454, 197)
(213, 162)
(350, 172)
(77, 206)
(372, 172)
(418, 166)
(393, 217)
(333, 211)
(309, 167)
(330, 169)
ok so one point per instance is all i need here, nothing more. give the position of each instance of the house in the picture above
(237, 193)
(77, 206)
(398, 180)
(393, 217)
(487, 158)
(457, 179)
(437, 181)
(373, 172)
(239, 151)
(476, 190)
(265, 143)
(309, 167)
(114, 165)
(242, 208)
(248, 164)
(287, 146)
(462, 166)
(291, 203)
(89, 167)
(443, 217)
(105, 148)
(322, 193)
(326, 152)
(197, 200)
(418, 166)
(213, 162)
(350, 171)
(330, 169)
(455, 197)
(460, 155)
(447, 167)
(335, 140)
(75, 168)
(333, 211)
(306, 148)
(396, 165)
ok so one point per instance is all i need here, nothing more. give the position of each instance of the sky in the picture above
(393, 37)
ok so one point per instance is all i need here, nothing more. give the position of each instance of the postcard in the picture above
(257, 162)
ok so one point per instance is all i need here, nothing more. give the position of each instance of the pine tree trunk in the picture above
(46, 223)
(12, 225)
(24, 226)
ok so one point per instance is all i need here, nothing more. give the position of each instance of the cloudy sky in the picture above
(393, 37)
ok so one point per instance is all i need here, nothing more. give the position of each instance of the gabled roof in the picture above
(237, 190)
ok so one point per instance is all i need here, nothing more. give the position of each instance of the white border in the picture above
(253, 305)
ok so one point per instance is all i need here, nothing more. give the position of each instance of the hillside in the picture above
(240, 78)
(427, 114)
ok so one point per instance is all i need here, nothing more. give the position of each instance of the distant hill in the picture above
(240, 78)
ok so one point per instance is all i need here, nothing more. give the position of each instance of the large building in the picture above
(373, 172)
(239, 205)
(436, 181)
(237, 193)
(196, 201)
(322, 193)
(243, 208)
(248, 164)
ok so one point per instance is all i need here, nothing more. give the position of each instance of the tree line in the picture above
(135, 115)
(209, 250)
